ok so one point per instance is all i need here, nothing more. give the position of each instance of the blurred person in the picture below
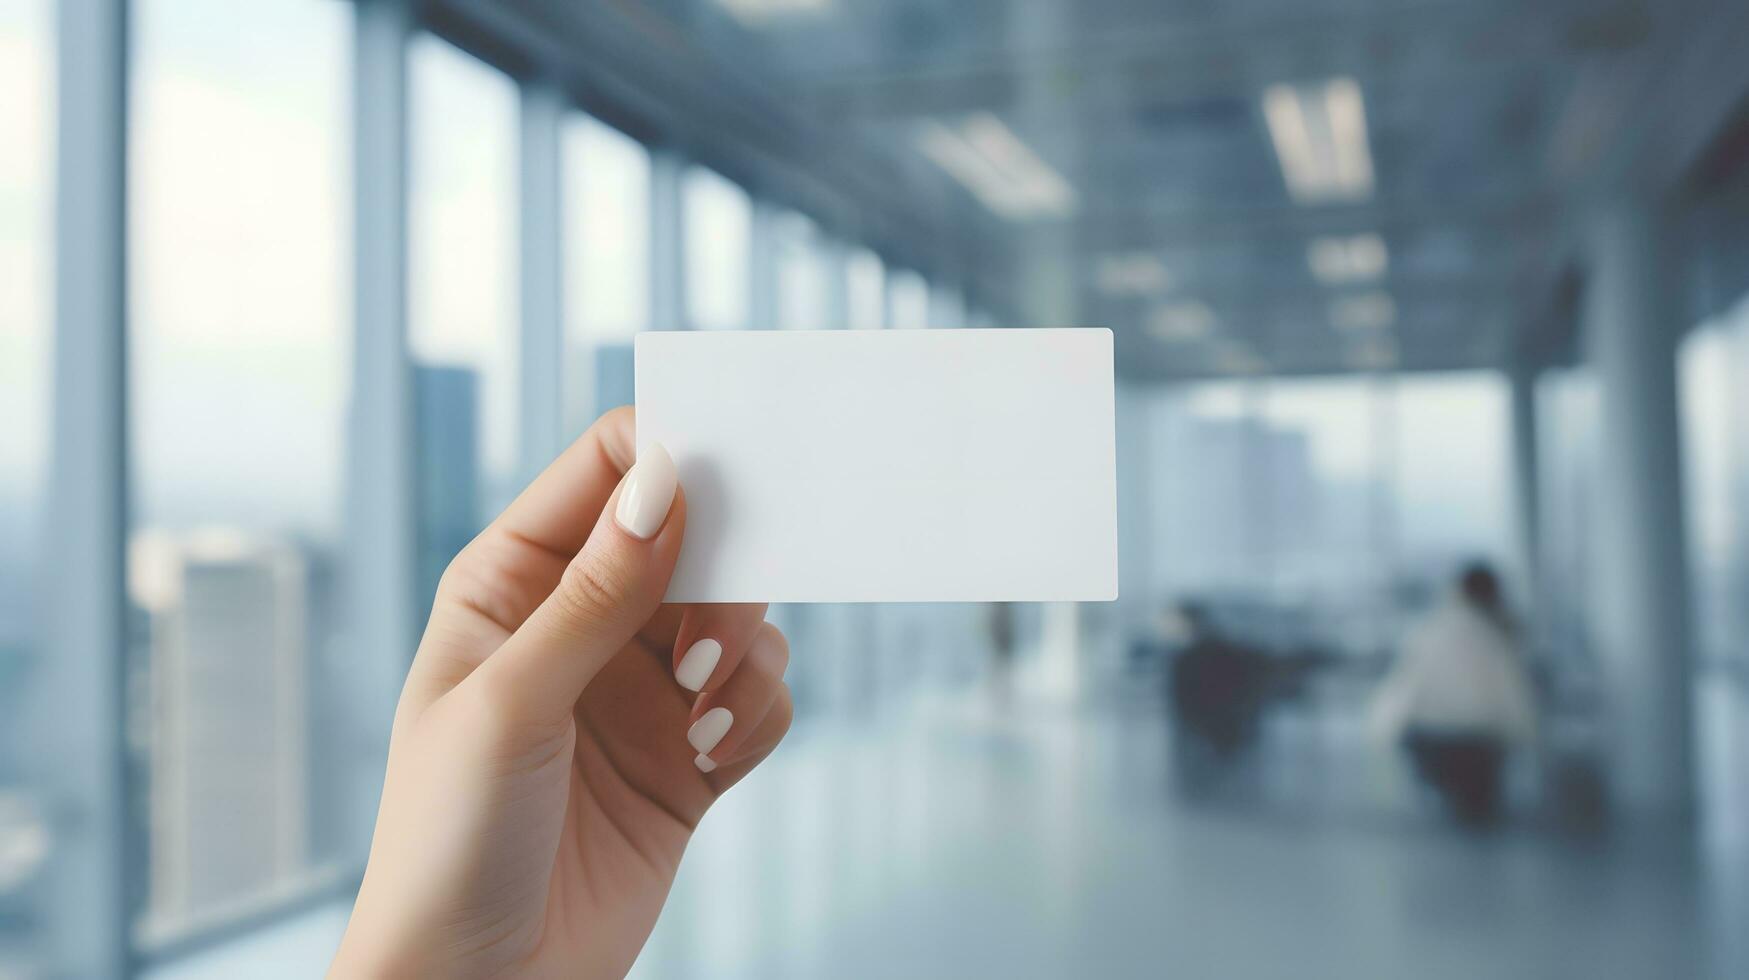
(561, 733)
(1217, 689)
(1458, 698)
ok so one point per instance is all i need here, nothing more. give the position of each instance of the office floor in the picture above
(966, 838)
(1043, 841)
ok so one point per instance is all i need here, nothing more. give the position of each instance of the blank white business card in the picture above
(888, 465)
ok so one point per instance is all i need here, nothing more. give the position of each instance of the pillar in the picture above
(1641, 616)
(1526, 488)
(80, 761)
(379, 568)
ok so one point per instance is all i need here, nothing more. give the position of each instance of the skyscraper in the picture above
(228, 756)
(447, 402)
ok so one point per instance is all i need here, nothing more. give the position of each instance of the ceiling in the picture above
(1488, 123)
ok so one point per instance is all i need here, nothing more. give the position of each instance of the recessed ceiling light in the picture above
(1337, 259)
(1364, 312)
(1320, 137)
(1131, 274)
(983, 154)
(1186, 321)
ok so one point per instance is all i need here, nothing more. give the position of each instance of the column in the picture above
(378, 571)
(1526, 488)
(541, 348)
(81, 764)
(1642, 613)
(667, 243)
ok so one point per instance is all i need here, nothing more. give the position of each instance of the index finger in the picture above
(524, 550)
(557, 511)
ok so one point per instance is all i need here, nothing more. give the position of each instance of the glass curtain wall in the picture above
(462, 297)
(1716, 480)
(1314, 513)
(947, 307)
(243, 736)
(1452, 469)
(717, 218)
(239, 365)
(801, 263)
(606, 263)
(1569, 434)
(865, 281)
(907, 300)
(27, 106)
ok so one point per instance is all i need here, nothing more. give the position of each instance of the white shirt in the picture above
(1459, 673)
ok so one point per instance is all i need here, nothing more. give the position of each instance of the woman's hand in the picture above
(547, 766)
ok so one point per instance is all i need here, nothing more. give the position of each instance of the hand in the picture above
(546, 767)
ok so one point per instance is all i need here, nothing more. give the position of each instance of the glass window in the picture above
(1569, 431)
(462, 303)
(1267, 497)
(946, 307)
(908, 300)
(866, 290)
(1452, 472)
(801, 267)
(719, 221)
(1317, 463)
(1710, 362)
(240, 354)
(26, 244)
(607, 264)
(1318, 508)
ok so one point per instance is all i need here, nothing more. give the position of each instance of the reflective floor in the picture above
(1026, 837)
(1041, 841)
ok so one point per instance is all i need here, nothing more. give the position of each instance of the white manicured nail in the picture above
(709, 729)
(647, 493)
(704, 763)
(696, 666)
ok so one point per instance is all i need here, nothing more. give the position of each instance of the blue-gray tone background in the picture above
(1396, 285)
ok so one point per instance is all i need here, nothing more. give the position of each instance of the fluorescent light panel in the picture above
(1339, 260)
(1320, 138)
(1002, 172)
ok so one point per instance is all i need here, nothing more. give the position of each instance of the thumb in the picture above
(608, 592)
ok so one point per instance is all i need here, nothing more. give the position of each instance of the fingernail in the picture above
(709, 729)
(704, 763)
(647, 493)
(696, 666)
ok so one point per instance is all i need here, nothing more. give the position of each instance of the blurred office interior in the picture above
(295, 294)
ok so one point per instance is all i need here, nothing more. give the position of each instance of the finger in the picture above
(605, 595)
(757, 746)
(723, 720)
(712, 640)
(516, 562)
(556, 511)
